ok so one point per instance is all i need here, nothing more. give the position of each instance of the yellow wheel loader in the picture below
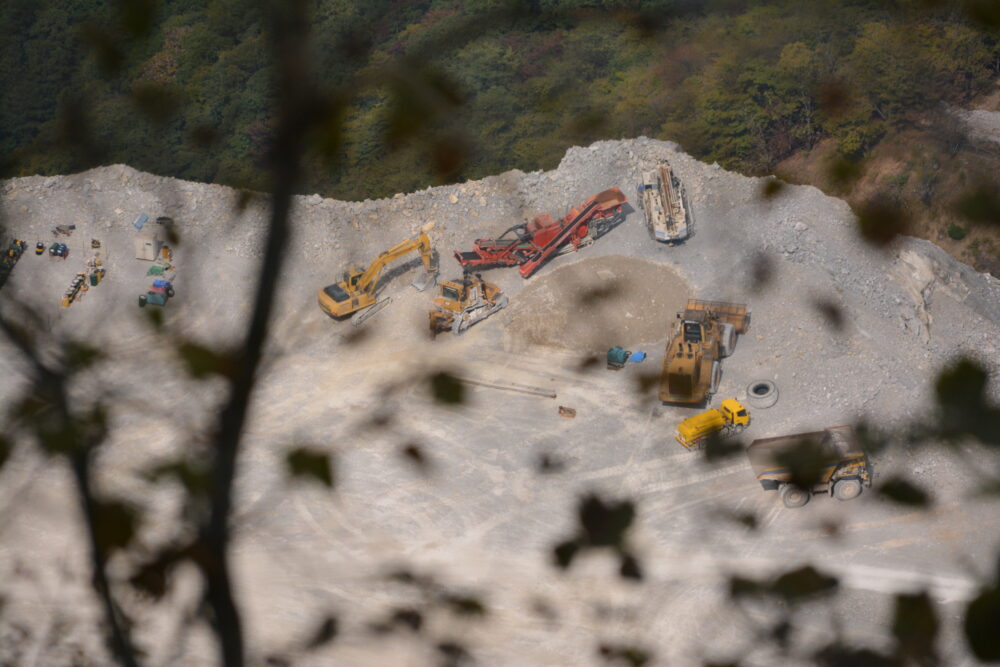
(462, 303)
(702, 336)
(357, 290)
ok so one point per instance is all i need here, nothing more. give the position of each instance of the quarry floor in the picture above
(503, 470)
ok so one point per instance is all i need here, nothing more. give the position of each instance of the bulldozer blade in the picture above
(427, 280)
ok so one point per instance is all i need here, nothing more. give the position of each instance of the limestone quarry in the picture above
(483, 517)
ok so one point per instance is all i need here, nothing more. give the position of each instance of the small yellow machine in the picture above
(462, 303)
(358, 288)
(730, 416)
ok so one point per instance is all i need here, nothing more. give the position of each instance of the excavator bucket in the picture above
(428, 279)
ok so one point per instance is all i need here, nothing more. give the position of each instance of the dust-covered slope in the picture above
(486, 518)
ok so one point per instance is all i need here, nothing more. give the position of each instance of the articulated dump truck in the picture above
(704, 333)
(845, 468)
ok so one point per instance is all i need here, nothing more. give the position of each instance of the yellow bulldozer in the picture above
(359, 286)
(704, 333)
(462, 303)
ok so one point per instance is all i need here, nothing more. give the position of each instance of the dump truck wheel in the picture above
(847, 489)
(792, 496)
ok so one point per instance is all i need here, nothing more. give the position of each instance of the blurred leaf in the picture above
(549, 464)
(633, 656)
(806, 461)
(151, 577)
(564, 553)
(718, 447)
(454, 654)
(78, 355)
(834, 97)
(203, 136)
(982, 618)
(115, 524)
(156, 101)
(464, 605)
(915, 627)
(194, 476)
(831, 313)
(881, 219)
(961, 395)
(448, 158)
(605, 523)
(984, 12)
(843, 172)
(771, 188)
(137, 15)
(741, 587)
(311, 464)
(103, 45)
(761, 271)
(408, 618)
(592, 295)
(447, 388)
(324, 633)
(904, 492)
(803, 583)
(980, 205)
(647, 381)
(630, 567)
(836, 655)
(588, 362)
(155, 317)
(202, 361)
(414, 454)
(6, 448)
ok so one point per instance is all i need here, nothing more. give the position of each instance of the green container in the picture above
(617, 357)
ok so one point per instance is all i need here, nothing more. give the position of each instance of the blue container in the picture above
(161, 283)
(140, 221)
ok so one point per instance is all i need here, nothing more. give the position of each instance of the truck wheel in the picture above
(847, 489)
(792, 496)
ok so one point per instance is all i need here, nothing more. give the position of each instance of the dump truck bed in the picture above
(839, 441)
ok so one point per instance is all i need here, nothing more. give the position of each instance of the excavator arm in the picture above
(369, 279)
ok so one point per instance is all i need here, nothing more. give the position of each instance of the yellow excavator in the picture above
(357, 290)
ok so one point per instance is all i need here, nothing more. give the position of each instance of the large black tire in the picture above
(170, 292)
(847, 489)
(792, 496)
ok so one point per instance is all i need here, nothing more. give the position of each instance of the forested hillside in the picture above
(186, 90)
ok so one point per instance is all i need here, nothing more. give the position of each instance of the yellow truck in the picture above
(730, 416)
(843, 466)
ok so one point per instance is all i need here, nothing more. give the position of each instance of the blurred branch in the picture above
(52, 384)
